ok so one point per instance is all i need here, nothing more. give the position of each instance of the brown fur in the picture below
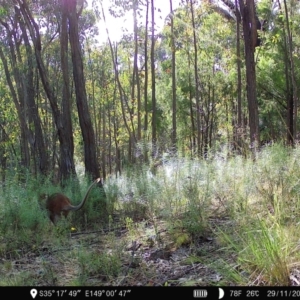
(58, 204)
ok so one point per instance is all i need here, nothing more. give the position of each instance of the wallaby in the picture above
(58, 204)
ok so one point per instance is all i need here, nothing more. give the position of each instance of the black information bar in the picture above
(146, 292)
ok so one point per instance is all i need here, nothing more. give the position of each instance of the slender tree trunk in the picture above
(193, 128)
(3, 152)
(208, 116)
(153, 86)
(37, 139)
(23, 125)
(94, 102)
(212, 118)
(104, 149)
(135, 77)
(289, 89)
(197, 84)
(110, 130)
(289, 98)
(87, 130)
(90, 159)
(190, 98)
(116, 139)
(67, 168)
(146, 68)
(63, 134)
(17, 95)
(239, 125)
(146, 81)
(114, 55)
(174, 100)
(293, 101)
(250, 38)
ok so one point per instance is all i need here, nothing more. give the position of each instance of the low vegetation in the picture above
(225, 220)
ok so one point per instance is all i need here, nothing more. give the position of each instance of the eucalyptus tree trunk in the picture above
(118, 168)
(146, 68)
(104, 148)
(192, 136)
(3, 153)
(94, 102)
(110, 132)
(197, 83)
(135, 76)
(66, 169)
(146, 80)
(24, 160)
(16, 90)
(289, 97)
(250, 38)
(87, 130)
(292, 101)
(238, 134)
(193, 127)
(174, 100)
(36, 138)
(153, 94)
(66, 158)
(123, 97)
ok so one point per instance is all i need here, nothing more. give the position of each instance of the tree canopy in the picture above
(218, 75)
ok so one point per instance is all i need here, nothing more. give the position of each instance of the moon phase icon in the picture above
(221, 293)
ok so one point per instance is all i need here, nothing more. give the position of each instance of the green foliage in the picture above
(113, 193)
(115, 102)
(249, 208)
(265, 253)
(22, 279)
(260, 197)
(19, 209)
(104, 266)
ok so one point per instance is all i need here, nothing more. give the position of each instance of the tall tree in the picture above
(66, 158)
(247, 10)
(15, 85)
(146, 68)
(86, 126)
(291, 85)
(122, 94)
(239, 128)
(153, 85)
(135, 77)
(36, 138)
(174, 100)
(67, 169)
(197, 83)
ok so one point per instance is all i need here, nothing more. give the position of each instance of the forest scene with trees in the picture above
(175, 122)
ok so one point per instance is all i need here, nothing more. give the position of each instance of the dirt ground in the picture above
(149, 257)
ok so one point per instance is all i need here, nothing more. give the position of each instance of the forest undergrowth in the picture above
(220, 221)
